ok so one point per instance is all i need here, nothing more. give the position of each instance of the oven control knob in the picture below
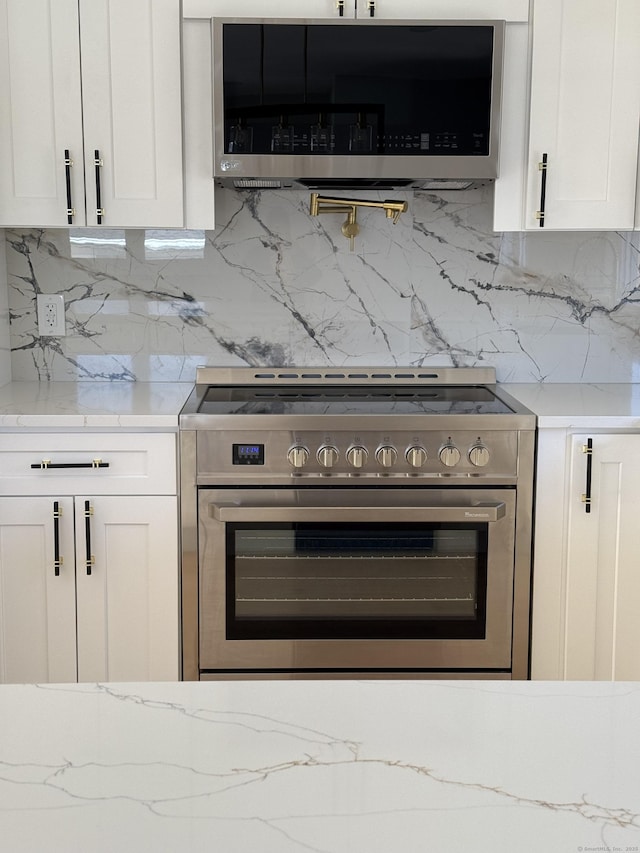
(416, 456)
(298, 456)
(357, 456)
(479, 455)
(328, 456)
(449, 455)
(386, 455)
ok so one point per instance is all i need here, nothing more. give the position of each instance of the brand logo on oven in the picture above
(468, 514)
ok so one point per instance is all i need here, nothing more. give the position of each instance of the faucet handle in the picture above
(351, 229)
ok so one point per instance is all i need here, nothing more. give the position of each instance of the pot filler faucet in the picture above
(350, 228)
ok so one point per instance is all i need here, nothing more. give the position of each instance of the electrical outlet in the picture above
(51, 315)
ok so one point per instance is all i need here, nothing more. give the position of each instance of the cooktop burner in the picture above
(377, 401)
(336, 400)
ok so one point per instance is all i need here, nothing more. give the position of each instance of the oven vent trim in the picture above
(371, 375)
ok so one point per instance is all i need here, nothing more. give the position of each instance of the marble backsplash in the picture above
(275, 286)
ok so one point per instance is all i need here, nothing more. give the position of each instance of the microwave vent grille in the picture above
(256, 184)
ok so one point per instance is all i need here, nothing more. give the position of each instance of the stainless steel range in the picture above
(362, 522)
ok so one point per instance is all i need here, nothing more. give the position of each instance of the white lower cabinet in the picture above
(37, 606)
(89, 582)
(586, 595)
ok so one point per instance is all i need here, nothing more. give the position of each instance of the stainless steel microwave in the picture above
(343, 104)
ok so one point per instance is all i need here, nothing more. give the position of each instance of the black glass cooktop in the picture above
(284, 400)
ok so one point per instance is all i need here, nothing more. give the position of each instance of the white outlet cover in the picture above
(51, 315)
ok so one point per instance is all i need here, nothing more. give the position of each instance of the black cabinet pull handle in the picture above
(68, 163)
(340, 7)
(90, 559)
(586, 497)
(371, 6)
(57, 559)
(97, 162)
(542, 166)
(47, 464)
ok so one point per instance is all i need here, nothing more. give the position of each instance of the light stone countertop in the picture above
(156, 405)
(581, 405)
(321, 766)
(96, 405)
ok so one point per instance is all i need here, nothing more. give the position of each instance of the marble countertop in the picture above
(581, 405)
(156, 405)
(97, 405)
(322, 766)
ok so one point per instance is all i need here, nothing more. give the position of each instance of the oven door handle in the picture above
(472, 512)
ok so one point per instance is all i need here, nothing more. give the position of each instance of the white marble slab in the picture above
(329, 767)
(97, 405)
(581, 405)
(274, 286)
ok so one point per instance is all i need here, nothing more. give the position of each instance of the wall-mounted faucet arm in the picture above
(324, 204)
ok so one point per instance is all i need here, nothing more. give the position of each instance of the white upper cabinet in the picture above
(115, 90)
(267, 9)
(509, 10)
(584, 114)
(132, 110)
(41, 112)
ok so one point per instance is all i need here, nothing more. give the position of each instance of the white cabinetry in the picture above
(400, 9)
(586, 595)
(84, 76)
(88, 580)
(583, 120)
(266, 9)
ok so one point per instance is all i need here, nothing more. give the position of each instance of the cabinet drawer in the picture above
(97, 464)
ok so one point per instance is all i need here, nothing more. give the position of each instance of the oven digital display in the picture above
(248, 454)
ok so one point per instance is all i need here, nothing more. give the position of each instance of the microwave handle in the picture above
(481, 512)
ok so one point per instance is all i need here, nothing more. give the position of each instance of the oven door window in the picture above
(356, 581)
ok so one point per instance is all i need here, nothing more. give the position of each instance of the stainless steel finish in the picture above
(215, 465)
(189, 555)
(332, 506)
(386, 456)
(309, 459)
(449, 455)
(416, 456)
(479, 455)
(298, 456)
(312, 376)
(286, 170)
(328, 456)
(357, 456)
(343, 675)
(220, 506)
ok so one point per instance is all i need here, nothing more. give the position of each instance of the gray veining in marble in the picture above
(328, 767)
(274, 286)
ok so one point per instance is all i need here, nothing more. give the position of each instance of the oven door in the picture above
(356, 579)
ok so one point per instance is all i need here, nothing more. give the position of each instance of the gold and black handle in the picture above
(47, 464)
(371, 6)
(340, 7)
(542, 166)
(90, 559)
(97, 162)
(68, 163)
(586, 497)
(57, 559)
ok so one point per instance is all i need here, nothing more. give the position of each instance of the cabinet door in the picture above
(585, 105)
(37, 607)
(602, 580)
(266, 9)
(41, 113)
(128, 603)
(470, 10)
(132, 112)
